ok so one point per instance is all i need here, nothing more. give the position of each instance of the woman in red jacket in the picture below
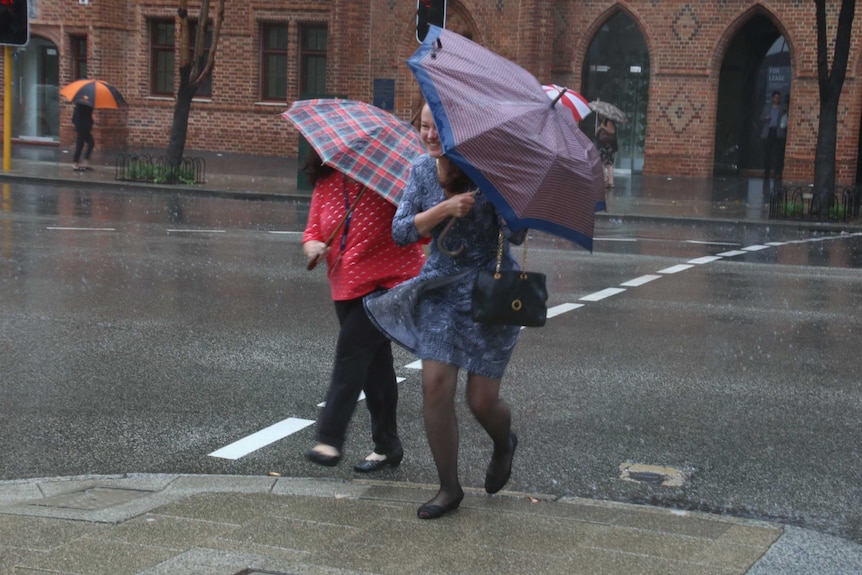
(363, 258)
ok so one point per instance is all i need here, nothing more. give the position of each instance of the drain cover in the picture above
(92, 499)
(654, 474)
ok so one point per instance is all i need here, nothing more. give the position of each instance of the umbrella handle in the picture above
(313, 263)
(441, 243)
(557, 99)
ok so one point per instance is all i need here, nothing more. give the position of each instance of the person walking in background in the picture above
(82, 119)
(365, 259)
(773, 132)
(606, 136)
(430, 315)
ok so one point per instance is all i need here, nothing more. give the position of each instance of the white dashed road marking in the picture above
(563, 308)
(68, 229)
(262, 438)
(704, 260)
(637, 282)
(706, 243)
(178, 231)
(600, 295)
(362, 393)
(676, 269)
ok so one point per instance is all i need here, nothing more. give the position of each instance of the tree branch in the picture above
(842, 46)
(216, 34)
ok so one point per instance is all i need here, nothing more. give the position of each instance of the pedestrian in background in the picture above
(82, 119)
(773, 133)
(431, 315)
(606, 136)
(365, 259)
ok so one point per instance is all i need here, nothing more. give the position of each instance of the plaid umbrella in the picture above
(93, 93)
(361, 141)
(570, 99)
(495, 121)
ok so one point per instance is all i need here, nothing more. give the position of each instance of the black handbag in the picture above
(510, 297)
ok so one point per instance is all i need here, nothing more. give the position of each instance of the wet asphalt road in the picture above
(142, 332)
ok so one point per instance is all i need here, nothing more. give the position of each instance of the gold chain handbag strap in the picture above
(500, 240)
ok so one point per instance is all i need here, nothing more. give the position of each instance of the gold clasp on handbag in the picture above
(517, 304)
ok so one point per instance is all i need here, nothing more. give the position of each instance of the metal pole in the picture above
(7, 108)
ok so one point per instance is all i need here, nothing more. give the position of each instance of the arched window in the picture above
(616, 70)
(756, 64)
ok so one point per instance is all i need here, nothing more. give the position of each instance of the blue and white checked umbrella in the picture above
(524, 152)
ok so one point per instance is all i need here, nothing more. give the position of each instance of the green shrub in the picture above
(790, 208)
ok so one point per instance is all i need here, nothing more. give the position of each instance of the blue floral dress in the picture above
(430, 314)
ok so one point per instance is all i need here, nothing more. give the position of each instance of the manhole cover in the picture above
(654, 474)
(92, 499)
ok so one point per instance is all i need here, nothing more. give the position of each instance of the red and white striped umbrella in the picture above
(579, 105)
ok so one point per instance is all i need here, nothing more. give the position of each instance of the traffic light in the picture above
(429, 12)
(14, 22)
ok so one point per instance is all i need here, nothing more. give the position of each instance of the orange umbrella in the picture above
(94, 93)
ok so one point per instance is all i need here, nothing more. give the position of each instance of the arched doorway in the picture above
(617, 70)
(756, 64)
(35, 85)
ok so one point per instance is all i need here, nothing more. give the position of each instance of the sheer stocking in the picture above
(439, 382)
(495, 416)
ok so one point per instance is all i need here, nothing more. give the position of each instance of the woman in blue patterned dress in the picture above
(430, 315)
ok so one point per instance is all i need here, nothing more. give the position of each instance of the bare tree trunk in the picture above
(830, 83)
(192, 73)
(180, 126)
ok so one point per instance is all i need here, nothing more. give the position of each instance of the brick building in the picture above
(692, 75)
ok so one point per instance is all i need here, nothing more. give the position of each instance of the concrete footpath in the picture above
(200, 524)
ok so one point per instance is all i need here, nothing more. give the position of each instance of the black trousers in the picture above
(363, 362)
(83, 137)
(773, 154)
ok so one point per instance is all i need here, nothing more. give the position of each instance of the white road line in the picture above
(284, 232)
(704, 260)
(175, 231)
(676, 269)
(262, 438)
(705, 243)
(563, 308)
(637, 282)
(732, 253)
(68, 229)
(615, 239)
(600, 295)
(775, 244)
(755, 248)
(415, 365)
(362, 393)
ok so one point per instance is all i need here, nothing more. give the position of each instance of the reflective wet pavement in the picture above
(189, 321)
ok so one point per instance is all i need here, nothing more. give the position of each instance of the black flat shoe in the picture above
(494, 483)
(368, 466)
(321, 459)
(437, 511)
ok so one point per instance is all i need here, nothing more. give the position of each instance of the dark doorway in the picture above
(617, 70)
(756, 64)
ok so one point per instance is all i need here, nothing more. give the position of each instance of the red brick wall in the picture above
(372, 39)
